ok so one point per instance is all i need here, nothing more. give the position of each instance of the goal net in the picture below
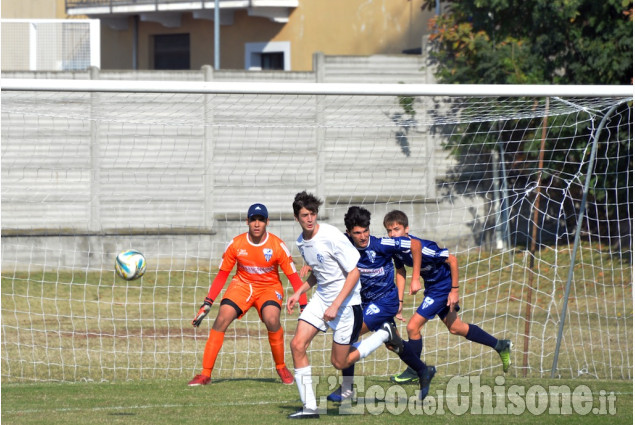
(530, 187)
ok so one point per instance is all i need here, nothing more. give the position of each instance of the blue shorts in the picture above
(435, 305)
(379, 311)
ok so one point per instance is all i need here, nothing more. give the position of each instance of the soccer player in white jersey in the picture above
(336, 303)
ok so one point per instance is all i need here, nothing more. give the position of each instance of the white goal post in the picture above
(529, 186)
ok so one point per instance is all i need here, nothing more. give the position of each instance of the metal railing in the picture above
(75, 4)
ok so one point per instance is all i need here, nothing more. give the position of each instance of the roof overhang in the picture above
(168, 13)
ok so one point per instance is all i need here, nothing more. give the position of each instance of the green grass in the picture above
(266, 401)
(61, 325)
(124, 351)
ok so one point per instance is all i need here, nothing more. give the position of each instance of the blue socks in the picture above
(412, 358)
(349, 371)
(416, 345)
(476, 334)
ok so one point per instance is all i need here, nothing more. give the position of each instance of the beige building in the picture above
(254, 34)
(33, 9)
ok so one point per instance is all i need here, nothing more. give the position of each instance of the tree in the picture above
(533, 41)
(544, 42)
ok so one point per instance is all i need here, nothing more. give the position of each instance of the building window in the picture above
(172, 51)
(272, 55)
(273, 60)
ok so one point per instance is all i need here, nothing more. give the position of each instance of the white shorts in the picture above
(346, 325)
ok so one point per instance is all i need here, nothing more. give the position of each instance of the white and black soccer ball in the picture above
(130, 264)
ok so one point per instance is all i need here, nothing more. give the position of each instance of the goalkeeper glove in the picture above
(202, 312)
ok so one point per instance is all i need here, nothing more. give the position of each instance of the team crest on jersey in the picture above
(427, 302)
(268, 253)
(320, 258)
(278, 295)
(371, 255)
(372, 309)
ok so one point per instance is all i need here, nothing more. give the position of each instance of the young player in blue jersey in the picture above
(381, 301)
(440, 272)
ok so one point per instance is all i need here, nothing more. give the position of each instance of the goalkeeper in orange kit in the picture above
(258, 254)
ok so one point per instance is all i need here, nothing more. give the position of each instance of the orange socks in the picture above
(215, 342)
(212, 347)
(276, 340)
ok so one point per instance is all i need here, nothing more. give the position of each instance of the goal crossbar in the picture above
(492, 90)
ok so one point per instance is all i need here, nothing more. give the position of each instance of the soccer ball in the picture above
(130, 264)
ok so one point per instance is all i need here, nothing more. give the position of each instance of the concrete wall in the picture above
(86, 175)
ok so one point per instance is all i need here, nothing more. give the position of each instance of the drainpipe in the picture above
(135, 42)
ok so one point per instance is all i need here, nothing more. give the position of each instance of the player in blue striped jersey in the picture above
(440, 272)
(381, 300)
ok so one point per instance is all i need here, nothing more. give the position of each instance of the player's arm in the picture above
(300, 292)
(305, 270)
(415, 249)
(226, 265)
(296, 283)
(214, 290)
(453, 297)
(400, 281)
(352, 279)
(288, 267)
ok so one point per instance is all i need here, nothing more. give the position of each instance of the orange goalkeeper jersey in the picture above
(257, 264)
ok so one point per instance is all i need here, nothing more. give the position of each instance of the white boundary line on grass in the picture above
(207, 405)
(148, 406)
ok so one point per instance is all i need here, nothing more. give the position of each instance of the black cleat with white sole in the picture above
(394, 340)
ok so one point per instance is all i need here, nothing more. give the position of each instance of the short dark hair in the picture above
(396, 216)
(357, 216)
(305, 200)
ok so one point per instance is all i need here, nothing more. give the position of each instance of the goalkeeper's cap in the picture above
(257, 209)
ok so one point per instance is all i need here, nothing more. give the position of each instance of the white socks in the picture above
(304, 381)
(373, 342)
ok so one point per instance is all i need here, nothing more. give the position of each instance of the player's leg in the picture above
(304, 334)
(311, 321)
(474, 333)
(226, 315)
(378, 318)
(270, 315)
(414, 326)
(347, 327)
(417, 369)
(411, 355)
(429, 308)
(414, 346)
(348, 374)
(339, 355)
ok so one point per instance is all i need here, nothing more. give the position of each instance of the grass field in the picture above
(266, 401)
(84, 347)
(82, 325)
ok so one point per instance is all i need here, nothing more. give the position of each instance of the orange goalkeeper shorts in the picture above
(243, 296)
